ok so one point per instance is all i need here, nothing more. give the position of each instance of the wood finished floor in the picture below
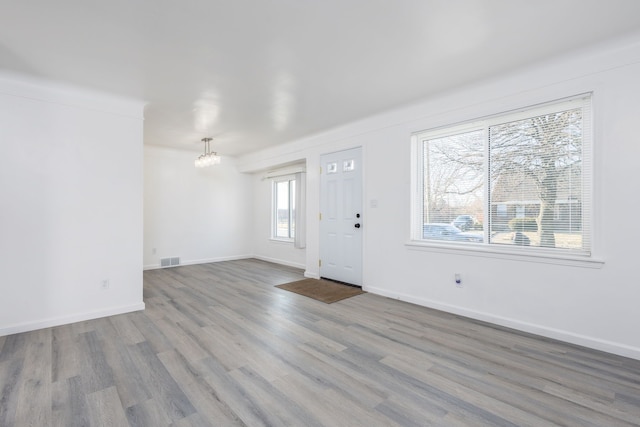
(219, 345)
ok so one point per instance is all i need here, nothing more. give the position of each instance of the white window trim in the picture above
(508, 253)
(274, 182)
(541, 255)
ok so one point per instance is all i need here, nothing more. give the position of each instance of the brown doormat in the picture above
(322, 290)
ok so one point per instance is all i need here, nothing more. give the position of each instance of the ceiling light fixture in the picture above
(209, 157)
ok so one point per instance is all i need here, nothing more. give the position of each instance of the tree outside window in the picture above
(520, 176)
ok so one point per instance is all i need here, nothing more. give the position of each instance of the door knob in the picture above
(357, 225)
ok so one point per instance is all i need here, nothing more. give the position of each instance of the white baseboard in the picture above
(310, 275)
(279, 261)
(64, 320)
(558, 334)
(229, 258)
(199, 261)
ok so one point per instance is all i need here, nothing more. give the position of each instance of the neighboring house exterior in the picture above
(516, 196)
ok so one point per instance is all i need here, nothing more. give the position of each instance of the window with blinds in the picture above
(520, 179)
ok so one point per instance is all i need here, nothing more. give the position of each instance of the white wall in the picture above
(71, 204)
(590, 304)
(197, 214)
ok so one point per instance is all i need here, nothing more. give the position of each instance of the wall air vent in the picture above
(169, 262)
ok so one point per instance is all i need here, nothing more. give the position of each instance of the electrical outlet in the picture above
(104, 284)
(153, 251)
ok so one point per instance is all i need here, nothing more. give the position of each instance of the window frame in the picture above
(486, 248)
(291, 180)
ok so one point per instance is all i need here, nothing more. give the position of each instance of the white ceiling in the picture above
(254, 73)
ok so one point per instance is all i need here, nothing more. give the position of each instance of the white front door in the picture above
(341, 219)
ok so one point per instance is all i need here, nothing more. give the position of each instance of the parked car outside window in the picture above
(442, 231)
(464, 222)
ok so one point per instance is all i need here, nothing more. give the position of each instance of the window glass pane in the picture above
(348, 166)
(454, 187)
(536, 181)
(522, 178)
(282, 209)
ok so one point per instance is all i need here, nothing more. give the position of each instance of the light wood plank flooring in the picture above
(219, 345)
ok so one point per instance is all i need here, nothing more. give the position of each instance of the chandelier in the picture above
(209, 157)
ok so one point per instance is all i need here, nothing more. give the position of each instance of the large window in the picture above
(519, 179)
(284, 213)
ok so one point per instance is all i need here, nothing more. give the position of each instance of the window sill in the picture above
(479, 250)
(280, 240)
